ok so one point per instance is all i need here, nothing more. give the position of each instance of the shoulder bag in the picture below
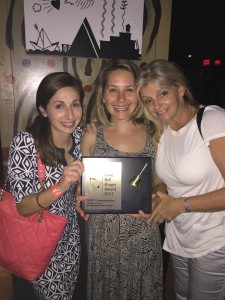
(27, 243)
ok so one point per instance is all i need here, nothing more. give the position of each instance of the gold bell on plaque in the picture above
(136, 180)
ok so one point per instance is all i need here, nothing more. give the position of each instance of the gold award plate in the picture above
(116, 185)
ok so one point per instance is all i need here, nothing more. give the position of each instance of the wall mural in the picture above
(93, 28)
(50, 6)
(28, 70)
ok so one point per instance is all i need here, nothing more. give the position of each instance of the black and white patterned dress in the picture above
(58, 281)
(124, 253)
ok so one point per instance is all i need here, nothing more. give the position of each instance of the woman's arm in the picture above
(170, 207)
(22, 169)
(38, 201)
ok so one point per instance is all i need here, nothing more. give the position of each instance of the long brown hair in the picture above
(40, 128)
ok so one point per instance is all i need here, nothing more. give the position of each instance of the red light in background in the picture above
(217, 62)
(206, 62)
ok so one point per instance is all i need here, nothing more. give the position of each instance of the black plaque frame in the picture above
(133, 198)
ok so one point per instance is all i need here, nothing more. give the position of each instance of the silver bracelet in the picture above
(187, 205)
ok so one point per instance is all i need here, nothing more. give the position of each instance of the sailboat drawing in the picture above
(43, 42)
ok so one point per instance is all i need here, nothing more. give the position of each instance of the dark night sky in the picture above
(197, 28)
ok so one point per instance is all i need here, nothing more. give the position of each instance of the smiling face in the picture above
(64, 112)
(163, 102)
(119, 95)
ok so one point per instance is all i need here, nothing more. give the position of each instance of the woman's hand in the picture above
(142, 214)
(71, 174)
(166, 208)
(80, 198)
(90, 129)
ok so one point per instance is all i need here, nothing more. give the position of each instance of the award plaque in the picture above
(119, 185)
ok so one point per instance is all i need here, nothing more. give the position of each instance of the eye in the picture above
(59, 106)
(130, 90)
(164, 93)
(147, 100)
(76, 104)
(111, 90)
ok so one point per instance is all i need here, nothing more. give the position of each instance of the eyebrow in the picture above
(115, 85)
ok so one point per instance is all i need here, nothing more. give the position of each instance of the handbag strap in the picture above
(41, 177)
(199, 118)
(41, 168)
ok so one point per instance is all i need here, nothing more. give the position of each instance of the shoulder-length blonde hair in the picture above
(99, 112)
(164, 73)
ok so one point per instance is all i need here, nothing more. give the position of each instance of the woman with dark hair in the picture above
(54, 134)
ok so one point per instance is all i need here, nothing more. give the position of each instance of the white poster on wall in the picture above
(85, 28)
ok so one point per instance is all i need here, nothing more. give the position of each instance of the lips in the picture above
(161, 111)
(69, 124)
(121, 108)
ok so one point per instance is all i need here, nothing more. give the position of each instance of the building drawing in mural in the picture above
(93, 29)
(151, 8)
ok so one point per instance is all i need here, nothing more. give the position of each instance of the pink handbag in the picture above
(27, 243)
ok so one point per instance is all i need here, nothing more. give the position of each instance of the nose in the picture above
(157, 104)
(69, 113)
(121, 96)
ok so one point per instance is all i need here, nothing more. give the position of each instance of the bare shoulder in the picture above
(88, 139)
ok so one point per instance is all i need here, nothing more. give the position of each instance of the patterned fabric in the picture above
(124, 253)
(200, 278)
(58, 281)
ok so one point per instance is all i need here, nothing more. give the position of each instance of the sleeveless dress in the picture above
(124, 253)
(59, 279)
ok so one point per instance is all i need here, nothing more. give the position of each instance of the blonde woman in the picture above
(190, 175)
(124, 252)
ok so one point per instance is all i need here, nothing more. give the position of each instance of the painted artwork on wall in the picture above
(84, 28)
